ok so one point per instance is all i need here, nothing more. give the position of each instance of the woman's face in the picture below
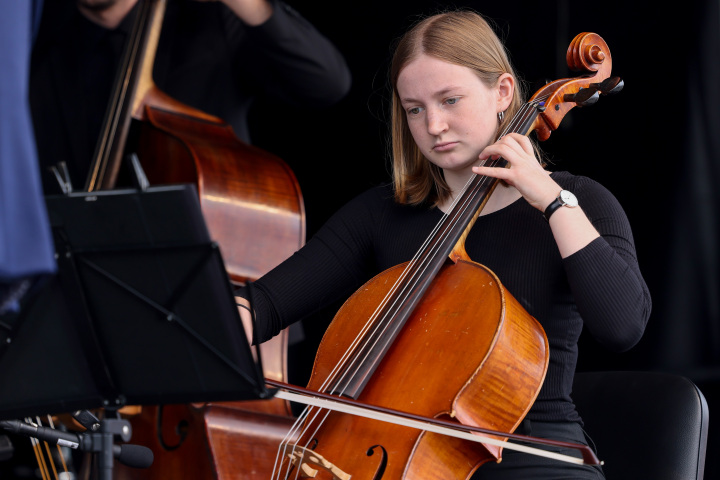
(451, 113)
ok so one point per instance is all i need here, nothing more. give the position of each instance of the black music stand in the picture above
(141, 312)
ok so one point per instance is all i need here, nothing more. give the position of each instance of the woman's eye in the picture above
(414, 110)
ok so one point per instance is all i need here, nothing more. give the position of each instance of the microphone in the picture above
(135, 456)
(50, 435)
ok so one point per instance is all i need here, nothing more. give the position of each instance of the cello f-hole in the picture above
(383, 461)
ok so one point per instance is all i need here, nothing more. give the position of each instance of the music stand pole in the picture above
(103, 442)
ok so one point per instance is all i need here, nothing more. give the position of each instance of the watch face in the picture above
(568, 198)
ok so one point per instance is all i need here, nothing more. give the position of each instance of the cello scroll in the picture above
(587, 53)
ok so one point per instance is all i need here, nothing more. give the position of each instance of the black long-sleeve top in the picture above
(600, 286)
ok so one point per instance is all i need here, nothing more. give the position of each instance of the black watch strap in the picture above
(554, 205)
(564, 199)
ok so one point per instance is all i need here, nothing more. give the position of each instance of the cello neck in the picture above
(477, 191)
(445, 241)
(132, 84)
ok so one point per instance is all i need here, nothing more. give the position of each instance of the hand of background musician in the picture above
(252, 12)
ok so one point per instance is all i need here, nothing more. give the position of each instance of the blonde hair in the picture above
(460, 37)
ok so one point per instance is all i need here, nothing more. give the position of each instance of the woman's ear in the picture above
(505, 90)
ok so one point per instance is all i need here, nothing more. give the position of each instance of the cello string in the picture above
(333, 375)
(444, 225)
(295, 447)
(448, 222)
(282, 449)
(302, 419)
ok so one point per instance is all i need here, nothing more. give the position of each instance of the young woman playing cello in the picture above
(560, 243)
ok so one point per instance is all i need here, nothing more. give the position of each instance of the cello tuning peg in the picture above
(584, 97)
(619, 86)
(610, 85)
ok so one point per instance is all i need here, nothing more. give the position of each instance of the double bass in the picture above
(250, 198)
(254, 210)
(397, 343)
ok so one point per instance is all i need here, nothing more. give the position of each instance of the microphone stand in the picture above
(98, 439)
(102, 442)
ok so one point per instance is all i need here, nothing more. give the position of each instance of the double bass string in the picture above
(120, 92)
(415, 270)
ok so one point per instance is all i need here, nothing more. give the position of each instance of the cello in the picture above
(254, 210)
(394, 343)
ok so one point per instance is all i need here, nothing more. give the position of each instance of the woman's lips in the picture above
(444, 146)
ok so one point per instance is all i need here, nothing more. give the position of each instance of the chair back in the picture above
(644, 424)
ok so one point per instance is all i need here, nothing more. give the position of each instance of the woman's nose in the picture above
(436, 122)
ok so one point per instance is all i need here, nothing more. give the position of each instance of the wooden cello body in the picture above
(426, 372)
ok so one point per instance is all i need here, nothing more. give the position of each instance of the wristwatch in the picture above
(564, 199)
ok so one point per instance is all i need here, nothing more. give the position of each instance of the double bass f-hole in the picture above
(384, 350)
(254, 211)
(181, 430)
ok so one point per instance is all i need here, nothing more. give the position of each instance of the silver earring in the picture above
(501, 115)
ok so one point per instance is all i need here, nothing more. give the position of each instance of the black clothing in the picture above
(520, 465)
(207, 58)
(599, 286)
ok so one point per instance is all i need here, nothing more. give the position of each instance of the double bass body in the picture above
(250, 198)
(254, 210)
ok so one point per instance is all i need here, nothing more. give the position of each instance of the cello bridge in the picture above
(310, 463)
